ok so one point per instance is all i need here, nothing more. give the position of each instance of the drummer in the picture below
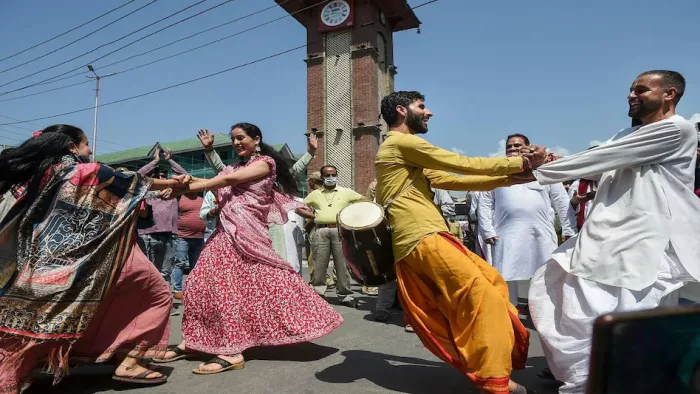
(327, 201)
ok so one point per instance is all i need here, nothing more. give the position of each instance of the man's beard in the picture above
(415, 123)
(642, 110)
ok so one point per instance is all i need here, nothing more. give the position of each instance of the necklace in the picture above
(330, 203)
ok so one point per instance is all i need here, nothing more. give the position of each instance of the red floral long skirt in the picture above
(231, 304)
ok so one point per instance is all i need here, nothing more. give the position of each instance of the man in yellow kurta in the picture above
(456, 302)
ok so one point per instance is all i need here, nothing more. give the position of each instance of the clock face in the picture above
(335, 13)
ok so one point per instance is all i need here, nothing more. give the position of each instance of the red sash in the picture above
(582, 189)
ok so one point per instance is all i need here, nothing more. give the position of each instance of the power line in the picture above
(278, 54)
(188, 37)
(23, 128)
(179, 40)
(45, 91)
(158, 48)
(41, 127)
(95, 49)
(165, 88)
(66, 32)
(76, 40)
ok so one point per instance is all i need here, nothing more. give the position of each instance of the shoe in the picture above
(409, 328)
(370, 290)
(349, 303)
(382, 317)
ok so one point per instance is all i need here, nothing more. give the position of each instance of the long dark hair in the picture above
(284, 174)
(35, 156)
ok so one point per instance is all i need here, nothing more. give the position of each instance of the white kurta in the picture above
(482, 247)
(644, 202)
(521, 216)
(294, 239)
(636, 248)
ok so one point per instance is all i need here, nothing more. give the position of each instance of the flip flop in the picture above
(225, 366)
(141, 378)
(179, 355)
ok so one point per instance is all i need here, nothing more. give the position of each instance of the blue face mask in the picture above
(330, 181)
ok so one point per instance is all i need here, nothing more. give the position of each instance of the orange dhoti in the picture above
(458, 305)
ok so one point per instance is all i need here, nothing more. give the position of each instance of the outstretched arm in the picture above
(419, 152)
(447, 181)
(649, 144)
(251, 172)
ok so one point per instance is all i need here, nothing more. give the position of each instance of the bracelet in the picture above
(205, 186)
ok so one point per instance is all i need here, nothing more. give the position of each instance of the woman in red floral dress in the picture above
(241, 294)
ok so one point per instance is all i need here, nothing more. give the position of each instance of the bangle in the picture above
(205, 186)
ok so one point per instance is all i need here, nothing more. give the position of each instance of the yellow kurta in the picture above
(457, 303)
(402, 157)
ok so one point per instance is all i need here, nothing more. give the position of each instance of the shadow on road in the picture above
(301, 352)
(418, 376)
(89, 379)
(396, 373)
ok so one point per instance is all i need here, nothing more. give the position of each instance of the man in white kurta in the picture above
(639, 243)
(482, 248)
(294, 238)
(518, 222)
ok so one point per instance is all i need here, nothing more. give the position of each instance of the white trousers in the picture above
(564, 308)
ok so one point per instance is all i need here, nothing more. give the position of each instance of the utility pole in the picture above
(97, 95)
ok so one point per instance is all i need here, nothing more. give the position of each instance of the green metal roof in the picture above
(190, 144)
(125, 155)
(186, 145)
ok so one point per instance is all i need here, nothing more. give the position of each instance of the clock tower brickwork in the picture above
(349, 69)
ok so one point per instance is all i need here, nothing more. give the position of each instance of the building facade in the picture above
(350, 68)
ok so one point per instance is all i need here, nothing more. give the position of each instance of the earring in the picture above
(257, 151)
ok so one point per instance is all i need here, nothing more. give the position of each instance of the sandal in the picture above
(179, 355)
(141, 378)
(225, 366)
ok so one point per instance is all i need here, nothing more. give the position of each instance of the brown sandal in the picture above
(179, 355)
(141, 378)
(225, 366)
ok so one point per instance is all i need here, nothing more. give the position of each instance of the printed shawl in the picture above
(60, 253)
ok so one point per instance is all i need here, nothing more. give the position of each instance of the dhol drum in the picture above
(366, 238)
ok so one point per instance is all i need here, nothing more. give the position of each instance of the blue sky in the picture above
(557, 71)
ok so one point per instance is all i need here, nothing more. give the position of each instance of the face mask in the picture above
(330, 181)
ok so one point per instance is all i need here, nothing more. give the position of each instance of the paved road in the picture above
(362, 356)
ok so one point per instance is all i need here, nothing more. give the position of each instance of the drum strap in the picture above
(405, 189)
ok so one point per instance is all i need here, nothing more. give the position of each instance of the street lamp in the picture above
(97, 93)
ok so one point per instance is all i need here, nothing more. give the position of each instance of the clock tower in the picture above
(350, 67)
